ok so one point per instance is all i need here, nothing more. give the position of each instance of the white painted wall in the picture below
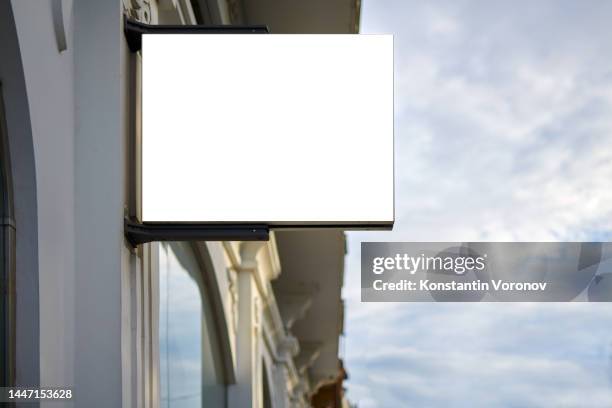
(86, 299)
(48, 76)
(76, 100)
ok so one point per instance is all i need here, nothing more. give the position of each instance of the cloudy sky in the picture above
(503, 132)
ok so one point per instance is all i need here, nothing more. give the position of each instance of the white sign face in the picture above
(267, 129)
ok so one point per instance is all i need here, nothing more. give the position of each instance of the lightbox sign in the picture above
(281, 130)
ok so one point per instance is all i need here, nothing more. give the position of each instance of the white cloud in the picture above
(503, 132)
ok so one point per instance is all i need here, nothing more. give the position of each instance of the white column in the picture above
(103, 261)
(247, 392)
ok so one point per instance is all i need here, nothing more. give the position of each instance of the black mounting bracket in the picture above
(134, 30)
(138, 233)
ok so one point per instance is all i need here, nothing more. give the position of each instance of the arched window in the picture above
(7, 257)
(191, 368)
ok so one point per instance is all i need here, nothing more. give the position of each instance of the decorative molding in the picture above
(299, 394)
(309, 352)
(288, 347)
(233, 297)
(139, 10)
(293, 307)
(248, 254)
(256, 314)
(275, 265)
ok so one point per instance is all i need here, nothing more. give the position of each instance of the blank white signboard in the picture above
(267, 129)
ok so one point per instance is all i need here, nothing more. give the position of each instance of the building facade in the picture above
(172, 324)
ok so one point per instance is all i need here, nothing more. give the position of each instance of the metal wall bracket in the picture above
(134, 30)
(138, 233)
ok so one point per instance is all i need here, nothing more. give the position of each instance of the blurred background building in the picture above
(204, 324)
